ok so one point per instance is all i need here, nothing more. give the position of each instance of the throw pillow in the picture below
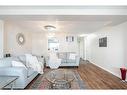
(72, 56)
(22, 58)
(18, 64)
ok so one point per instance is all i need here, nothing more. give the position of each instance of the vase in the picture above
(123, 73)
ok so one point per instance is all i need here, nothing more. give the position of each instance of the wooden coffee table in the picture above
(60, 79)
(7, 80)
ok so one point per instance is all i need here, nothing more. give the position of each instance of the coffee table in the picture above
(60, 78)
(7, 80)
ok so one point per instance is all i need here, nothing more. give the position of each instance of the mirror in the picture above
(20, 39)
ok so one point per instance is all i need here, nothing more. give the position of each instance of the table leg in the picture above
(11, 86)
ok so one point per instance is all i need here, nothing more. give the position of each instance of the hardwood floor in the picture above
(96, 78)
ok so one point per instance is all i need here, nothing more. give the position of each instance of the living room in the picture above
(74, 36)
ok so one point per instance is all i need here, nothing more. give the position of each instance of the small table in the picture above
(7, 80)
(60, 79)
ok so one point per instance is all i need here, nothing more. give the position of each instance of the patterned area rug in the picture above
(42, 83)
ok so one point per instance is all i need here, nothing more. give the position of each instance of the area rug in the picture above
(43, 84)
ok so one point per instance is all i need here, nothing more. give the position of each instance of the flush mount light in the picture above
(50, 28)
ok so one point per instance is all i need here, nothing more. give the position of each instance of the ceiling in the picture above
(81, 24)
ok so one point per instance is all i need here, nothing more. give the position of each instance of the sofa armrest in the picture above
(77, 60)
(14, 71)
(21, 82)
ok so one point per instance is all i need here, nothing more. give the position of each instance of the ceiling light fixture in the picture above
(50, 28)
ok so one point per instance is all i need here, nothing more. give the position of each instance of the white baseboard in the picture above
(106, 70)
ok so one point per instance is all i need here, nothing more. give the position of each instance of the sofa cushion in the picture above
(30, 72)
(62, 55)
(72, 56)
(32, 61)
(3, 64)
(69, 53)
(18, 64)
(22, 58)
(7, 62)
(63, 61)
(71, 61)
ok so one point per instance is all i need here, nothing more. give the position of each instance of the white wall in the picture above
(11, 45)
(35, 42)
(40, 43)
(1, 38)
(112, 57)
(67, 46)
(125, 44)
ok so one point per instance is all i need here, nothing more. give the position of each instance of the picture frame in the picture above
(69, 38)
(103, 42)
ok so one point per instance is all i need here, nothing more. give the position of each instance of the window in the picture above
(53, 44)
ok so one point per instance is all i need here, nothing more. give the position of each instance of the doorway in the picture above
(82, 48)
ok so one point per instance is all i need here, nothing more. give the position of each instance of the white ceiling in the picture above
(67, 23)
(63, 10)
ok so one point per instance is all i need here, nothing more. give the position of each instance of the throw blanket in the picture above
(32, 62)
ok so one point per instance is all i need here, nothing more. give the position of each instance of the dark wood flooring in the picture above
(96, 78)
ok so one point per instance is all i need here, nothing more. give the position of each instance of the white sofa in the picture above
(65, 59)
(25, 75)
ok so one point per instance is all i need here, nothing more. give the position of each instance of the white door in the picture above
(81, 48)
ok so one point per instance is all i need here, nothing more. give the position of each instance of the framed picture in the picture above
(103, 42)
(69, 38)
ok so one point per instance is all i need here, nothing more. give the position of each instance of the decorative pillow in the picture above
(62, 55)
(72, 56)
(18, 64)
(28, 60)
(22, 58)
(31, 60)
